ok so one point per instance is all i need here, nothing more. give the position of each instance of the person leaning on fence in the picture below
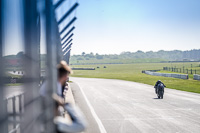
(78, 123)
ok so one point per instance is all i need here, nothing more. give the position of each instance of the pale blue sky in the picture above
(114, 26)
(13, 27)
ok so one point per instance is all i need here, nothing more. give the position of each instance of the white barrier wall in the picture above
(196, 77)
(173, 75)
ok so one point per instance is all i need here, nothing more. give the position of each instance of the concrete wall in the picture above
(196, 77)
(173, 75)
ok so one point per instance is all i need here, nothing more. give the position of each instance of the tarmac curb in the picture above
(69, 96)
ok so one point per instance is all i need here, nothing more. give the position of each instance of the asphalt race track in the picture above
(127, 107)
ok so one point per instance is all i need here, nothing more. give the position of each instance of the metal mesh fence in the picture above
(27, 112)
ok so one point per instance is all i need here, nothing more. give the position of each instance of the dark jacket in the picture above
(157, 83)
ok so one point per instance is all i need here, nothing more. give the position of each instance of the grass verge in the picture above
(132, 72)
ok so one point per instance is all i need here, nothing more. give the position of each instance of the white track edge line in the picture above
(101, 127)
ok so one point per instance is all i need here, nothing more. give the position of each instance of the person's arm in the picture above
(163, 84)
(78, 121)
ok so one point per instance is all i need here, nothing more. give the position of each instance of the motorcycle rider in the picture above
(157, 85)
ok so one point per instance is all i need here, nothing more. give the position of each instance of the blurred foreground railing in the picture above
(28, 112)
(14, 107)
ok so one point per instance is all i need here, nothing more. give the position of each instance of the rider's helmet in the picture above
(159, 81)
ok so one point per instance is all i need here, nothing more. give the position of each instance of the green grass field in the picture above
(132, 72)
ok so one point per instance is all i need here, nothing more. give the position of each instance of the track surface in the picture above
(129, 107)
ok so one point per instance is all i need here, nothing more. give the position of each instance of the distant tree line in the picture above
(16, 61)
(175, 55)
(124, 57)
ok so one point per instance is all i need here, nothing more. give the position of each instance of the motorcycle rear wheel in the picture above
(158, 96)
(161, 95)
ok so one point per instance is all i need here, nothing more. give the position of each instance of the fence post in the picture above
(6, 105)
(187, 71)
(14, 111)
(20, 109)
(31, 66)
(20, 104)
(51, 63)
(191, 71)
(6, 110)
(195, 71)
(3, 112)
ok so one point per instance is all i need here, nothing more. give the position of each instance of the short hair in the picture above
(63, 69)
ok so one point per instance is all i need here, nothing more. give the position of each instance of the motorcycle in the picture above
(160, 90)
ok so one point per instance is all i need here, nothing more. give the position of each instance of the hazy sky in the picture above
(13, 27)
(114, 26)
